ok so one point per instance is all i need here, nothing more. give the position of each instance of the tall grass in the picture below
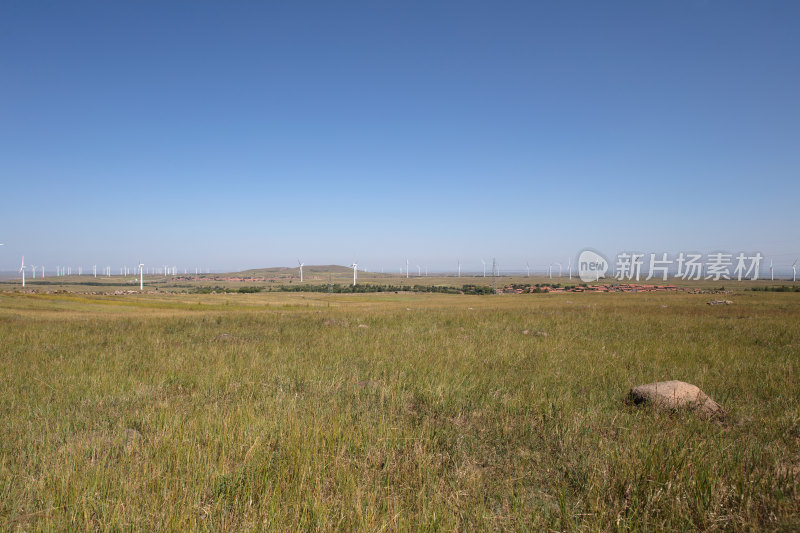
(402, 413)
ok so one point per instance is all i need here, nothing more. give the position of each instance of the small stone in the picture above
(671, 395)
(132, 438)
(363, 326)
(720, 302)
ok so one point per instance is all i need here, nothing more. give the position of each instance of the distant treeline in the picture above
(349, 289)
(781, 288)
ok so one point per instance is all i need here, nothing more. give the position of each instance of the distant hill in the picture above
(309, 272)
(288, 271)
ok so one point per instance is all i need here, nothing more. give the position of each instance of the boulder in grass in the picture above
(671, 395)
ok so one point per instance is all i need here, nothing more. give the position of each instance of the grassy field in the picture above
(395, 412)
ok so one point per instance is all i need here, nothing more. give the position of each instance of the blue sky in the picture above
(241, 134)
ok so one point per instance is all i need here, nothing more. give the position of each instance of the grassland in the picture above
(395, 412)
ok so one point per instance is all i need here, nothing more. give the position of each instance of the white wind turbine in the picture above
(419, 271)
(570, 268)
(22, 269)
(301, 270)
(484, 267)
(528, 267)
(95, 270)
(355, 273)
(559, 269)
(459, 268)
(42, 271)
(771, 271)
(141, 277)
(406, 268)
(33, 268)
(794, 270)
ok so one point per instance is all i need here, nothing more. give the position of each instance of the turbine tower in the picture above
(459, 268)
(22, 269)
(559, 269)
(484, 267)
(771, 271)
(406, 268)
(528, 267)
(355, 273)
(794, 270)
(33, 269)
(141, 277)
(301, 270)
(570, 268)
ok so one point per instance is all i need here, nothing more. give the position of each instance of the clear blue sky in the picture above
(234, 135)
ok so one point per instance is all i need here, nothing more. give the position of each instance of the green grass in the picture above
(281, 412)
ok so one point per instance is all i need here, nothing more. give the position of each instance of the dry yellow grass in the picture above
(277, 411)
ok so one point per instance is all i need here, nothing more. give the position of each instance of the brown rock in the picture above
(670, 395)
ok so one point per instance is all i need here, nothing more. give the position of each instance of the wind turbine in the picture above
(95, 270)
(771, 271)
(528, 267)
(406, 268)
(141, 277)
(42, 271)
(570, 268)
(459, 268)
(33, 268)
(355, 273)
(22, 269)
(559, 269)
(794, 270)
(301, 270)
(484, 267)
(550, 271)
